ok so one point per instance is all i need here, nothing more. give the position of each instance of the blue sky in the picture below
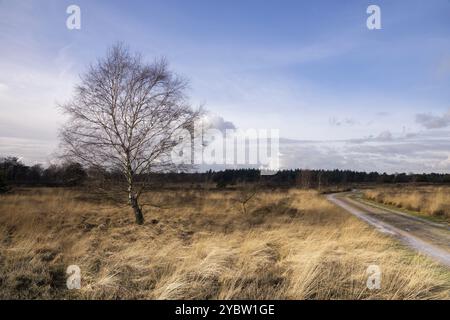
(309, 68)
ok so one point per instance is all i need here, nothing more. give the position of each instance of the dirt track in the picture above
(429, 238)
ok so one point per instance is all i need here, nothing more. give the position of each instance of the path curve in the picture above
(426, 237)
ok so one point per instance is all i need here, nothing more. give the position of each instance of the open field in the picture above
(202, 245)
(431, 201)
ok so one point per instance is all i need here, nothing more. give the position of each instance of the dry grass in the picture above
(428, 200)
(289, 245)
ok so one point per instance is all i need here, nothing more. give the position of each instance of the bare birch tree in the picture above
(124, 116)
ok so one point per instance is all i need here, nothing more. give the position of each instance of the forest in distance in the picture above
(70, 174)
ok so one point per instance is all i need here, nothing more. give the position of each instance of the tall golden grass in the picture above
(201, 245)
(428, 200)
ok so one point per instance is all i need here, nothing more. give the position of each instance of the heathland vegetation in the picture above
(433, 201)
(286, 244)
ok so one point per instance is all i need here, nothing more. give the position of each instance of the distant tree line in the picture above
(70, 174)
(14, 173)
(304, 178)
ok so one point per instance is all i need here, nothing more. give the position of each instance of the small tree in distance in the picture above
(124, 116)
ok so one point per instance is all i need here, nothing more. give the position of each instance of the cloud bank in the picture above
(431, 121)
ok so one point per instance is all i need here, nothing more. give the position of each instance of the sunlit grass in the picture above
(428, 200)
(200, 245)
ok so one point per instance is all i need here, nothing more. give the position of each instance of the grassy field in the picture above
(432, 201)
(202, 245)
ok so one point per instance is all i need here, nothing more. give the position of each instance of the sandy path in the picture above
(429, 238)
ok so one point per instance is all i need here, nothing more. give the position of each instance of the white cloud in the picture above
(215, 121)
